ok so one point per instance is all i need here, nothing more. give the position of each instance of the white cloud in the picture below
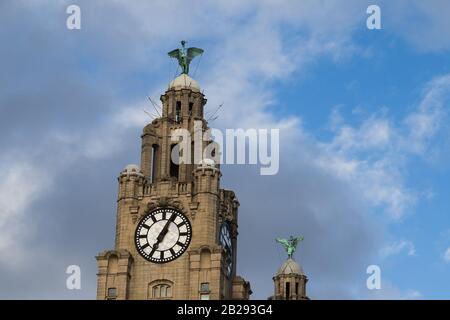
(413, 295)
(374, 133)
(21, 183)
(430, 117)
(398, 247)
(389, 291)
(134, 116)
(446, 255)
(374, 154)
(354, 155)
(108, 138)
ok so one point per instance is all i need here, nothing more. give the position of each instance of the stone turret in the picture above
(131, 181)
(207, 177)
(290, 282)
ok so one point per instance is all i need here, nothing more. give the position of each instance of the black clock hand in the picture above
(160, 238)
(164, 231)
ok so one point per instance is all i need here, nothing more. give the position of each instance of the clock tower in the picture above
(176, 228)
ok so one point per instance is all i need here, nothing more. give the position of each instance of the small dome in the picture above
(132, 169)
(183, 81)
(207, 163)
(289, 267)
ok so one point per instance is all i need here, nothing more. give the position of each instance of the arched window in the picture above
(174, 163)
(288, 290)
(161, 291)
(178, 112)
(154, 157)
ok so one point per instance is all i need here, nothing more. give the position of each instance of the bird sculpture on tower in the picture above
(290, 244)
(185, 56)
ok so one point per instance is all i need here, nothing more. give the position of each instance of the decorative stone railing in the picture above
(173, 188)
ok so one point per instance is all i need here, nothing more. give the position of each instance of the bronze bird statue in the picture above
(185, 56)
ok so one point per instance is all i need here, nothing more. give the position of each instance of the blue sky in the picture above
(391, 81)
(363, 116)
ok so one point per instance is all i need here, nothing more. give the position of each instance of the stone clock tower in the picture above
(176, 229)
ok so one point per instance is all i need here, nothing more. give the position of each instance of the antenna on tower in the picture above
(155, 106)
(211, 120)
(214, 115)
(198, 63)
(152, 116)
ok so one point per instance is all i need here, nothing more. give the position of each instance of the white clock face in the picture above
(163, 235)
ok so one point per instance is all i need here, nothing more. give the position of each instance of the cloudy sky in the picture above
(363, 114)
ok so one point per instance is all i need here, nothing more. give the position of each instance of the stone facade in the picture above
(192, 189)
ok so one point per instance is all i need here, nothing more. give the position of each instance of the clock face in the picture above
(225, 241)
(163, 235)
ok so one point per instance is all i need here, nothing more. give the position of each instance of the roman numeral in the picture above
(153, 218)
(183, 233)
(145, 246)
(142, 236)
(145, 226)
(164, 215)
(172, 218)
(162, 255)
(172, 251)
(181, 224)
(180, 243)
(152, 252)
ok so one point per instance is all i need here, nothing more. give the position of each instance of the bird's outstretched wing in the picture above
(193, 52)
(298, 239)
(174, 53)
(283, 242)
